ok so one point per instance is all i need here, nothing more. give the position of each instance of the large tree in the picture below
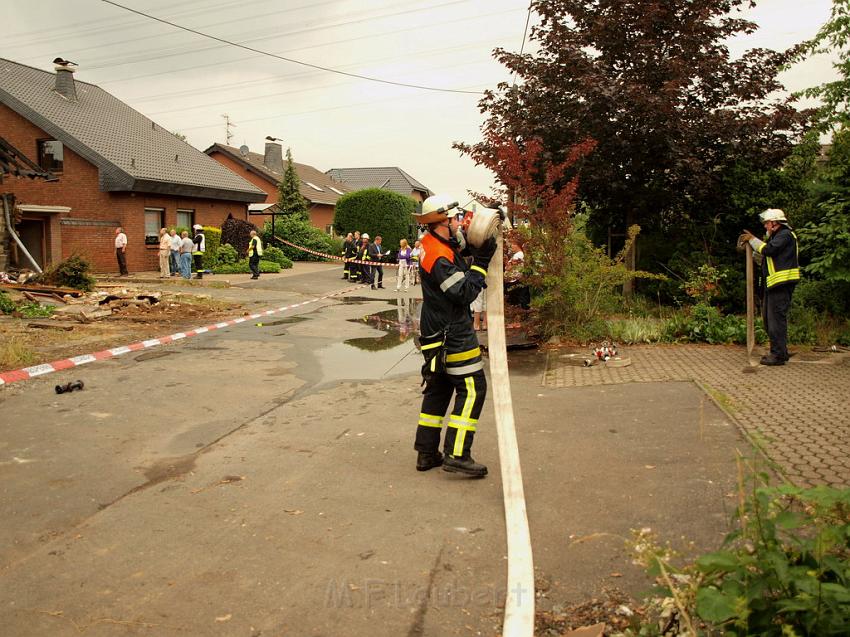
(289, 198)
(654, 84)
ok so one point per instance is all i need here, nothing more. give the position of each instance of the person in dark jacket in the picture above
(781, 272)
(348, 249)
(376, 254)
(363, 255)
(453, 363)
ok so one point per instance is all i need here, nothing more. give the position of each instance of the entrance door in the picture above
(31, 232)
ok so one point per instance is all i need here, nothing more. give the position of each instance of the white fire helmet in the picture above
(435, 208)
(772, 214)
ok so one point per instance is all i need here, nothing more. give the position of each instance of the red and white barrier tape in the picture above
(26, 373)
(337, 258)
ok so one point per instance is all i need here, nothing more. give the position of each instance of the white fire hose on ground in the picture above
(519, 601)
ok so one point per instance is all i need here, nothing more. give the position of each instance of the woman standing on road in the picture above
(403, 276)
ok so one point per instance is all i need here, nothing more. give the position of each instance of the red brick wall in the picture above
(263, 184)
(321, 215)
(89, 227)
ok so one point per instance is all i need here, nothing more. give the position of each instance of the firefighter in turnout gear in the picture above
(348, 250)
(453, 364)
(780, 271)
(198, 253)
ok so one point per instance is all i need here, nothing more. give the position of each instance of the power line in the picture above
(291, 60)
(264, 96)
(148, 97)
(145, 56)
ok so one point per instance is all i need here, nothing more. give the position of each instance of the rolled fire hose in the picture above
(519, 600)
(751, 333)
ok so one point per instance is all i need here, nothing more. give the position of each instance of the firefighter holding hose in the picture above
(453, 364)
(780, 271)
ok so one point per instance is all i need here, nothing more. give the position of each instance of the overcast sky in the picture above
(186, 82)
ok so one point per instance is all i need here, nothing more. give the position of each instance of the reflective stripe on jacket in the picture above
(781, 258)
(448, 287)
(255, 247)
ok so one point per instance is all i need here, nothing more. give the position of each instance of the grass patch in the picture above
(15, 352)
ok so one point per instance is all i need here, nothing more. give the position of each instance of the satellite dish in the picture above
(243, 149)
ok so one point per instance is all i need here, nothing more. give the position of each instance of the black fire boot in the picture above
(428, 460)
(465, 465)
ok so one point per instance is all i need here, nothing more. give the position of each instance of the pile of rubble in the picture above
(70, 305)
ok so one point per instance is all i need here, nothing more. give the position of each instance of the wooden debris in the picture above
(52, 325)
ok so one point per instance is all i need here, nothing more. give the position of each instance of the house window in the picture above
(185, 219)
(154, 220)
(314, 186)
(50, 155)
(339, 192)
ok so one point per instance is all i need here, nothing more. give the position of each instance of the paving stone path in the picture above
(800, 412)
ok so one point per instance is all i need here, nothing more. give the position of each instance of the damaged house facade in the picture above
(266, 171)
(113, 167)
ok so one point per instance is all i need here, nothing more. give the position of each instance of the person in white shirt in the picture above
(175, 252)
(164, 253)
(121, 250)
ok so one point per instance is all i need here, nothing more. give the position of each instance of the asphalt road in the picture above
(259, 480)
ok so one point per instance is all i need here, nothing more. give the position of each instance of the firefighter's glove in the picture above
(483, 253)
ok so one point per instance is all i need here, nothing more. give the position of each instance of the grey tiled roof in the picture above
(131, 152)
(390, 178)
(306, 174)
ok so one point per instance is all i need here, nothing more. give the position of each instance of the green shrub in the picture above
(783, 572)
(376, 211)
(301, 233)
(35, 310)
(635, 330)
(802, 325)
(276, 255)
(242, 267)
(843, 335)
(73, 272)
(832, 297)
(7, 306)
(704, 323)
(574, 283)
(226, 254)
(212, 241)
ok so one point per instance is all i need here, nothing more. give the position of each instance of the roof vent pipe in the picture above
(273, 159)
(65, 79)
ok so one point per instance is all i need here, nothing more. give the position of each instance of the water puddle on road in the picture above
(375, 357)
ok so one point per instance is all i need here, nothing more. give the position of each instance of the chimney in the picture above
(65, 79)
(273, 159)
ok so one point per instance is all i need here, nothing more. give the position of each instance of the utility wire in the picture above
(285, 59)
(148, 97)
(524, 33)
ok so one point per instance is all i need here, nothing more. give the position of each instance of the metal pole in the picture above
(15, 236)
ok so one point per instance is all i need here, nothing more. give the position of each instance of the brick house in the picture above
(391, 178)
(115, 167)
(265, 171)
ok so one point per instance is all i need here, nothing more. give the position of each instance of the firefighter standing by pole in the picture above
(781, 271)
(453, 364)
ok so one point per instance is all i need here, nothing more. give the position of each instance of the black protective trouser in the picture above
(470, 392)
(198, 260)
(777, 302)
(122, 261)
(254, 264)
